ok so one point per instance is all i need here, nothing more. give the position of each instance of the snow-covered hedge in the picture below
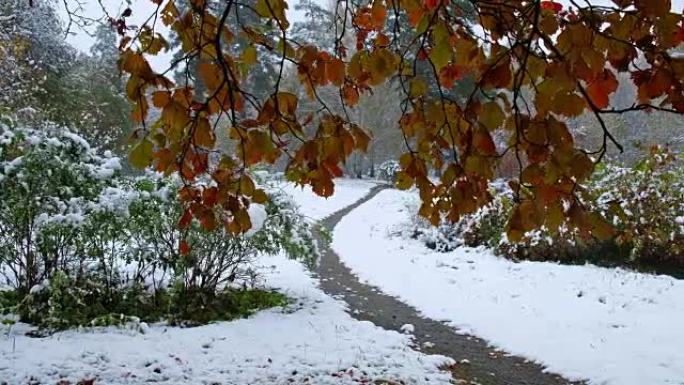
(75, 233)
(644, 203)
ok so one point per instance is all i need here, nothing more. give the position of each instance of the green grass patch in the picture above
(65, 304)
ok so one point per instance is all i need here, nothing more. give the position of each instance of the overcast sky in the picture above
(142, 9)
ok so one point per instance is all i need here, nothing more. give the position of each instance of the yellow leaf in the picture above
(404, 181)
(259, 196)
(491, 116)
(287, 103)
(417, 88)
(570, 105)
(382, 63)
(249, 55)
(141, 154)
(361, 138)
(210, 74)
(176, 118)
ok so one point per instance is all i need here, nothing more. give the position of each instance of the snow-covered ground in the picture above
(347, 191)
(610, 326)
(314, 339)
(311, 341)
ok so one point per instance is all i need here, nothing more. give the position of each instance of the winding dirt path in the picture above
(478, 363)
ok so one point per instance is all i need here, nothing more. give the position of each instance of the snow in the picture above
(407, 329)
(313, 338)
(258, 215)
(610, 326)
(347, 192)
(108, 167)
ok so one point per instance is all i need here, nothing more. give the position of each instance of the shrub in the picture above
(83, 245)
(443, 238)
(388, 170)
(50, 180)
(644, 204)
(64, 303)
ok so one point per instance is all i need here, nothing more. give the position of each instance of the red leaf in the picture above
(431, 4)
(552, 5)
(184, 222)
(184, 248)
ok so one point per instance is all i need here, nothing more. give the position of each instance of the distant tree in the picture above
(314, 26)
(32, 55)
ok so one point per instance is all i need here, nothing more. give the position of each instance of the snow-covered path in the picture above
(608, 325)
(477, 362)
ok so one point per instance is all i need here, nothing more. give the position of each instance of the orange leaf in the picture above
(599, 89)
(161, 98)
(378, 14)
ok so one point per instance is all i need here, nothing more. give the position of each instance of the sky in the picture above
(144, 8)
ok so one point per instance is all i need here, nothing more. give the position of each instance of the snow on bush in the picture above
(50, 185)
(644, 203)
(388, 170)
(77, 238)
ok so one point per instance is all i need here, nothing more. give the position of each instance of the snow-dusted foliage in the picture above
(31, 46)
(80, 240)
(444, 237)
(388, 170)
(50, 188)
(644, 204)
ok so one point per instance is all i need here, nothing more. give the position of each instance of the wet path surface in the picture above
(477, 362)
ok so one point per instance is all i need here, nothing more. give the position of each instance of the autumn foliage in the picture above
(534, 64)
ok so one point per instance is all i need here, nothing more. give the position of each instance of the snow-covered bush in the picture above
(644, 204)
(82, 244)
(443, 238)
(50, 182)
(487, 226)
(210, 259)
(388, 170)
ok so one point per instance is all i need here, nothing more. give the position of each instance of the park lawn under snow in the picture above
(313, 340)
(610, 326)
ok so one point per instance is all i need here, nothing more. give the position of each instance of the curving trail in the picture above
(484, 365)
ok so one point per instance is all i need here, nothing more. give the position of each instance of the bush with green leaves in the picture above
(50, 182)
(644, 205)
(82, 244)
(211, 259)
